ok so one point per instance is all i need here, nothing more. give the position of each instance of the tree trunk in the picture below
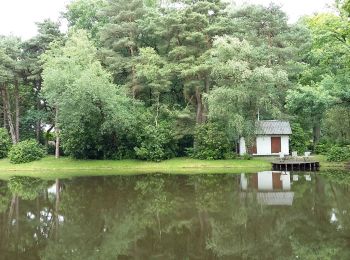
(199, 115)
(157, 109)
(7, 111)
(133, 74)
(17, 115)
(316, 133)
(47, 135)
(37, 130)
(57, 131)
(4, 114)
(38, 106)
(205, 105)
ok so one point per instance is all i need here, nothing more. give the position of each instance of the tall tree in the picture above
(12, 78)
(84, 14)
(119, 37)
(48, 32)
(242, 88)
(199, 22)
(72, 75)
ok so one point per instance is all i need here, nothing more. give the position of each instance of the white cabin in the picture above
(272, 138)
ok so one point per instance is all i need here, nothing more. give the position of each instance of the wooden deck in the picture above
(296, 165)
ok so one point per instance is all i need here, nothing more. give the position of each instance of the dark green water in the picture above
(248, 216)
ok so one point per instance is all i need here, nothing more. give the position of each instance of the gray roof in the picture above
(275, 198)
(273, 127)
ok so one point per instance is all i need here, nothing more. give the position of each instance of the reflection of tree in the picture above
(25, 187)
(173, 217)
(156, 199)
(23, 227)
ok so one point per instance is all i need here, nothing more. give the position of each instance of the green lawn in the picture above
(50, 167)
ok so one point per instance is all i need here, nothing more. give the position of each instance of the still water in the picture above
(266, 215)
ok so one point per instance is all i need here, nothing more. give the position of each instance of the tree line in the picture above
(156, 79)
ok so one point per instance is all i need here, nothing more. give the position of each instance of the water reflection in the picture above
(266, 215)
(273, 188)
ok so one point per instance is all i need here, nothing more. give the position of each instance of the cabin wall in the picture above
(285, 144)
(263, 145)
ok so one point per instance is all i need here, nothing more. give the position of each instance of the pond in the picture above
(266, 215)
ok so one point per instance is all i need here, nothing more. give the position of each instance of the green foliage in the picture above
(157, 143)
(309, 102)
(323, 148)
(338, 154)
(211, 143)
(73, 75)
(336, 124)
(230, 155)
(5, 143)
(299, 140)
(26, 151)
(83, 14)
(187, 63)
(247, 156)
(243, 86)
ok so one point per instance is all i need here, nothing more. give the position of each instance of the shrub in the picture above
(5, 143)
(157, 143)
(247, 156)
(26, 151)
(230, 155)
(299, 140)
(211, 143)
(338, 154)
(323, 148)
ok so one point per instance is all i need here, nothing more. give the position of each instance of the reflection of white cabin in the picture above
(272, 137)
(273, 188)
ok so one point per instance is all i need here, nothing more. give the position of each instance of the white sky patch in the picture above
(295, 8)
(18, 17)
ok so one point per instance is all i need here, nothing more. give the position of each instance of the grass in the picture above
(326, 164)
(50, 168)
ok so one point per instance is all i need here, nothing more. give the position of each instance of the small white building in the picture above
(272, 138)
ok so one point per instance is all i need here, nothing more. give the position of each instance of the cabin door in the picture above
(275, 144)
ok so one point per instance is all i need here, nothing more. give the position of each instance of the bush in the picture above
(338, 154)
(5, 143)
(230, 155)
(157, 143)
(299, 140)
(26, 151)
(323, 148)
(211, 143)
(246, 156)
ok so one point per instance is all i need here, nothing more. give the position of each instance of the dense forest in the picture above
(152, 79)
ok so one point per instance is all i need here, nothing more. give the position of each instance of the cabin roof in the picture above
(273, 127)
(275, 198)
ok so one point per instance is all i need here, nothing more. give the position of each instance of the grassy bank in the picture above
(50, 167)
(327, 165)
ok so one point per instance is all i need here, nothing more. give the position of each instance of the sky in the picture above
(18, 17)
